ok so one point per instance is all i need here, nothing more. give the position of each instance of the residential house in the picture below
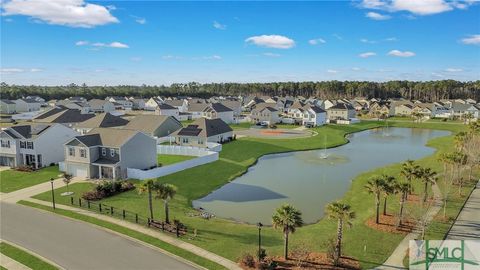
(152, 103)
(313, 116)
(460, 110)
(218, 110)
(154, 125)
(7, 106)
(424, 109)
(196, 109)
(100, 106)
(379, 109)
(122, 102)
(180, 104)
(165, 109)
(108, 152)
(84, 107)
(234, 105)
(265, 113)
(137, 103)
(403, 110)
(102, 120)
(328, 103)
(203, 131)
(35, 145)
(341, 111)
(27, 105)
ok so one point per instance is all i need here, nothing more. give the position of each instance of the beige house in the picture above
(203, 131)
(265, 114)
(403, 110)
(102, 120)
(341, 111)
(108, 152)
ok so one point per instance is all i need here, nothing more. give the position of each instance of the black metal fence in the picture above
(177, 228)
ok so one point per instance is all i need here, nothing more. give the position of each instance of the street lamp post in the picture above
(53, 194)
(259, 225)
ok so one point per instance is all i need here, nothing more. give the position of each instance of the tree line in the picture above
(428, 91)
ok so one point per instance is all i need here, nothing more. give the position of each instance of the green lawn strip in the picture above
(231, 239)
(3, 268)
(12, 180)
(134, 234)
(24, 257)
(164, 160)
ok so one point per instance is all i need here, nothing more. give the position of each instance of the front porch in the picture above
(107, 169)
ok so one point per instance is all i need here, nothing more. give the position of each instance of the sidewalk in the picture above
(467, 225)
(395, 261)
(11, 264)
(142, 229)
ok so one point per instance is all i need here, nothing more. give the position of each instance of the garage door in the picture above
(77, 170)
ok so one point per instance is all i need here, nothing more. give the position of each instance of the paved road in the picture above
(467, 225)
(76, 245)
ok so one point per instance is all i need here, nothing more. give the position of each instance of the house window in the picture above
(22, 145)
(185, 140)
(71, 151)
(112, 152)
(29, 145)
(104, 151)
(200, 141)
(5, 144)
(83, 153)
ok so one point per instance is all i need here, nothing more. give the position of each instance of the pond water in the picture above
(311, 179)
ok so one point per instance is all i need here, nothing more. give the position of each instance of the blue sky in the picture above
(155, 42)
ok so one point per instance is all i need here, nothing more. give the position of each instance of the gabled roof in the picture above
(165, 106)
(203, 127)
(8, 101)
(175, 102)
(97, 102)
(29, 100)
(314, 108)
(103, 120)
(341, 106)
(30, 131)
(109, 137)
(149, 123)
(217, 107)
(65, 116)
(197, 107)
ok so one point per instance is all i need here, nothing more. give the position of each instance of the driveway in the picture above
(76, 245)
(467, 225)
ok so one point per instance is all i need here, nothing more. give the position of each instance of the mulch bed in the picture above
(316, 260)
(387, 224)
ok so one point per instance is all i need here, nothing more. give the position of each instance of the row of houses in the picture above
(104, 145)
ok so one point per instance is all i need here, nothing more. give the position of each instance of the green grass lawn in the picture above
(164, 160)
(11, 180)
(24, 257)
(231, 239)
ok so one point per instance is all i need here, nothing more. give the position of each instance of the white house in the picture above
(27, 105)
(7, 106)
(36, 145)
(137, 103)
(152, 103)
(124, 102)
(165, 109)
(99, 106)
(180, 104)
(314, 116)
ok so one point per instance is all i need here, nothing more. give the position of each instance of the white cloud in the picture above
(81, 43)
(391, 39)
(18, 70)
(219, 25)
(114, 44)
(269, 54)
(213, 57)
(417, 7)
(171, 57)
(332, 71)
(317, 41)
(453, 70)
(364, 40)
(400, 53)
(36, 70)
(271, 41)
(367, 54)
(356, 69)
(377, 16)
(141, 20)
(135, 59)
(73, 13)
(471, 40)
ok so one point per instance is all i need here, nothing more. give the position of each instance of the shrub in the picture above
(24, 168)
(247, 261)
(108, 188)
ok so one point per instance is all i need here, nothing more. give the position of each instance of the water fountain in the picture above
(324, 154)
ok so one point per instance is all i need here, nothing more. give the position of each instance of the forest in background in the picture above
(427, 91)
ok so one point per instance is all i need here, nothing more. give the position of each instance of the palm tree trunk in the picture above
(285, 249)
(338, 246)
(400, 214)
(426, 192)
(377, 206)
(167, 220)
(385, 206)
(150, 202)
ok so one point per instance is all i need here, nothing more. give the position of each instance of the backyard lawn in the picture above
(11, 180)
(164, 160)
(24, 257)
(231, 239)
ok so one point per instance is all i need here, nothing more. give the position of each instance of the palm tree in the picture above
(375, 186)
(166, 192)
(427, 176)
(402, 189)
(388, 188)
(287, 218)
(342, 213)
(446, 159)
(148, 187)
(409, 171)
(459, 140)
